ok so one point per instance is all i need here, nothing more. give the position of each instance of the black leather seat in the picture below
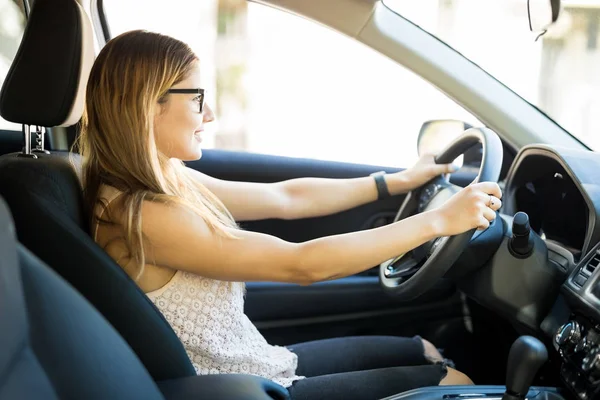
(44, 193)
(55, 345)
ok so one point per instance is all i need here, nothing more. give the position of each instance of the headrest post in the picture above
(27, 147)
(39, 140)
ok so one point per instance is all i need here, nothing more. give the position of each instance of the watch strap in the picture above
(382, 188)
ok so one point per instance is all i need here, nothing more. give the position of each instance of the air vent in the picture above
(592, 264)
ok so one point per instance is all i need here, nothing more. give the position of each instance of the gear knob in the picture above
(526, 356)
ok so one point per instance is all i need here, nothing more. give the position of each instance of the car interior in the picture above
(516, 307)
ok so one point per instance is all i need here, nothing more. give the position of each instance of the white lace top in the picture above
(208, 317)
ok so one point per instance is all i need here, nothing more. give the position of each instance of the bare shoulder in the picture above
(161, 222)
(169, 221)
(154, 214)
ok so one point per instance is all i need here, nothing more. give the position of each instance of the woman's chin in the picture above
(193, 155)
(196, 155)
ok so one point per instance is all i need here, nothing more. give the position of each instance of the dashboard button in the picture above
(580, 279)
(591, 362)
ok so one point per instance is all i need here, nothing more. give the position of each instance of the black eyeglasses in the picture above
(199, 98)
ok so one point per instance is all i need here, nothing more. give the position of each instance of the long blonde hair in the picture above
(130, 76)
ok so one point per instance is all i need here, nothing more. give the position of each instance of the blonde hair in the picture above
(130, 76)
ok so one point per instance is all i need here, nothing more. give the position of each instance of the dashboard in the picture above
(560, 191)
(556, 207)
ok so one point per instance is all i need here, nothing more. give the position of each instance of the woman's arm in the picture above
(179, 239)
(316, 197)
(312, 197)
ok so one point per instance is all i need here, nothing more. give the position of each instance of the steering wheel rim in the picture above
(446, 250)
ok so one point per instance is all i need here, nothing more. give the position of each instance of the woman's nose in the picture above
(208, 114)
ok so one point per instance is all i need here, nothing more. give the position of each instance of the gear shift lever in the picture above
(526, 356)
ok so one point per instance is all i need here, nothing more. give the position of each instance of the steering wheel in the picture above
(411, 274)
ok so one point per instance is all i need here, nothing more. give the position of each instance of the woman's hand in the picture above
(473, 207)
(416, 176)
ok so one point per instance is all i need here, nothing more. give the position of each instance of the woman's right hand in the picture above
(474, 206)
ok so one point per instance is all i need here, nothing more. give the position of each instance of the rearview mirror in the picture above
(437, 134)
(542, 14)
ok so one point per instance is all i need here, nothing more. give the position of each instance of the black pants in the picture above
(363, 367)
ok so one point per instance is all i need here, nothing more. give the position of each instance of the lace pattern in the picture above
(208, 317)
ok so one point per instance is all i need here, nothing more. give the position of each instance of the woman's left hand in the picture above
(422, 172)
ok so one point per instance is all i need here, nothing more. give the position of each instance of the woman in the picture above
(173, 230)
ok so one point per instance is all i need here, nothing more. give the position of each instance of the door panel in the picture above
(287, 313)
(325, 299)
(351, 308)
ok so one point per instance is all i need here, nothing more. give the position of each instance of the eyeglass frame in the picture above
(198, 91)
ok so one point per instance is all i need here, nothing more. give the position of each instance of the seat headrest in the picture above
(46, 82)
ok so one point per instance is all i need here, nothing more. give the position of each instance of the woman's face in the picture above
(178, 126)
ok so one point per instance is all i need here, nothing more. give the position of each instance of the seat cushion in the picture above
(21, 375)
(222, 386)
(80, 352)
(53, 344)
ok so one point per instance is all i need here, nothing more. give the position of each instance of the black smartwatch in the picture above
(382, 188)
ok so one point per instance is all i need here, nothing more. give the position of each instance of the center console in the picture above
(472, 393)
(578, 340)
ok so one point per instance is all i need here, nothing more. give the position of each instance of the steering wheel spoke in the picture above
(403, 266)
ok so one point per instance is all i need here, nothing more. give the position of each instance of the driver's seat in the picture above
(45, 86)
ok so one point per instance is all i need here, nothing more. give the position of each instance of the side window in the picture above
(12, 25)
(287, 86)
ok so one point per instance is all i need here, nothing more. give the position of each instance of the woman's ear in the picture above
(160, 106)
(158, 110)
(156, 116)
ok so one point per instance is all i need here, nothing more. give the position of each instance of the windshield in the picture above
(559, 73)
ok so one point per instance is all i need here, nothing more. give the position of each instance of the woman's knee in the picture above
(454, 377)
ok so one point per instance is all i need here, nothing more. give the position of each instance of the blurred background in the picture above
(286, 86)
